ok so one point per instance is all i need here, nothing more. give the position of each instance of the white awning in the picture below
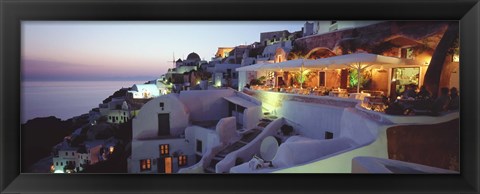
(336, 62)
(239, 101)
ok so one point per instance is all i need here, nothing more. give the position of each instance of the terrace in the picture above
(367, 78)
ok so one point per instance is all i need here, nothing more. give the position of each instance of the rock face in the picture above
(433, 145)
(369, 38)
(119, 93)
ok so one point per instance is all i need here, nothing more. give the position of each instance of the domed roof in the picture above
(193, 56)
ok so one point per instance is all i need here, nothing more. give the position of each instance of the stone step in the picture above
(209, 170)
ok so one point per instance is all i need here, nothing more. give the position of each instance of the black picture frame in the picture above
(12, 12)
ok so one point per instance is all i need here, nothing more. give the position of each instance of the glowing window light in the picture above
(111, 149)
(58, 171)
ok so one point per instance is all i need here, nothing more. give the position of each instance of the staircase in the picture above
(246, 138)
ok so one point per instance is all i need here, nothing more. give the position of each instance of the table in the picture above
(374, 103)
(358, 96)
(342, 94)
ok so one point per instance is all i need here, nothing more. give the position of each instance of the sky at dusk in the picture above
(127, 50)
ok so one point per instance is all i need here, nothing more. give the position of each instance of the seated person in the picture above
(409, 92)
(281, 83)
(454, 99)
(441, 103)
(423, 94)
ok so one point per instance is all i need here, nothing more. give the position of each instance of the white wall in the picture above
(145, 91)
(209, 138)
(224, 66)
(63, 158)
(121, 116)
(313, 119)
(217, 79)
(149, 149)
(146, 122)
(354, 24)
(226, 129)
(246, 152)
(248, 61)
(242, 80)
(206, 105)
(251, 117)
(321, 27)
(183, 69)
(297, 150)
(79, 158)
(357, 127)
(115, 102)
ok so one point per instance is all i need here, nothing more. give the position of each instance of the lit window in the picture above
(182, 160)
(164, 149)
(456, 55)
(145, 165)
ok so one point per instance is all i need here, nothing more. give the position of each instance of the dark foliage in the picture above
(119, 93)
(286, 129)
(116, 163)
(124, 131)
(39, 135)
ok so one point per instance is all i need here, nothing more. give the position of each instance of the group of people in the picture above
(448, 99)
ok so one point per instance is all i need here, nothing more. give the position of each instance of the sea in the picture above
(65, 99)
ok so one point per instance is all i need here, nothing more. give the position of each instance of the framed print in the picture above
(239, 97)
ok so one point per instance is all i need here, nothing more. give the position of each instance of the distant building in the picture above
(320, 27)
(222, 52)
(117, 110)
(143, 91)
(308, 29)
(225, 75)
(70, 159)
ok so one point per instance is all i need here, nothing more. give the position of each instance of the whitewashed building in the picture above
(144, 91)
(68, 159)
(225, 74)
(174, 131)
(116, 111)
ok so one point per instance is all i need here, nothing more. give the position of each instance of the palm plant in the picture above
(302, 76)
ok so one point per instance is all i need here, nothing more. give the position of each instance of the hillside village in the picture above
(332, 97)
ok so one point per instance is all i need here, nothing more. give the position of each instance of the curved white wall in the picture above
(313, 120)
(246, 152)
(146, 122)
(301, 151)
(357, 127)
(226, 129)
(206, 105)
